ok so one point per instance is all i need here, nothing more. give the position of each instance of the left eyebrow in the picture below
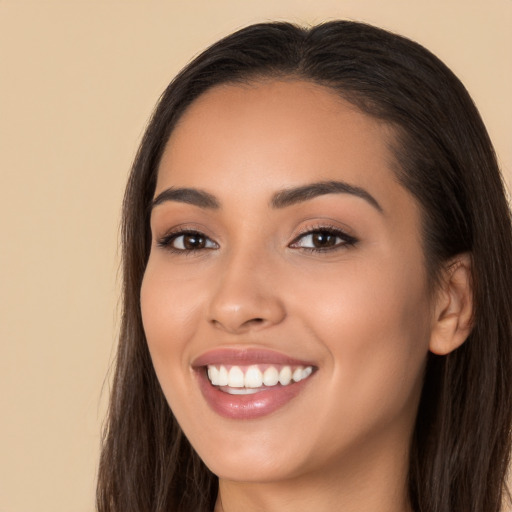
(291, 196)
(193, 196)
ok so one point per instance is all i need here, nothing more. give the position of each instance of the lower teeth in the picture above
(241, 391)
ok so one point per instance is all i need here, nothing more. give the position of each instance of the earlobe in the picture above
(453, 313)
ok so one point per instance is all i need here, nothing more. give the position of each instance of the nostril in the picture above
(251, 322)
(255, 321)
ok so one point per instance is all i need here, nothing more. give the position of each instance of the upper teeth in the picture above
(254, 377)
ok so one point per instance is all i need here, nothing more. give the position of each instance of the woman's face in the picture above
(287, 263)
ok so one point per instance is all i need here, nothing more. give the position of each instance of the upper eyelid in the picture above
(167, 241)
(184, 228)
(171, 234)
(326, 228)
(347, 238)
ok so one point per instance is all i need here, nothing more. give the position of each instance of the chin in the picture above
(251, 457)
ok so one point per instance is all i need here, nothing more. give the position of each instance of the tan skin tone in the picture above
(337, 279)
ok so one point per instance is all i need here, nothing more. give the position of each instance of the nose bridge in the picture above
(245, 296)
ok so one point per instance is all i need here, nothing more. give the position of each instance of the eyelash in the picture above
(346, 240)
(167, 241)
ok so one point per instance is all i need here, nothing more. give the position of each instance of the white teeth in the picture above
(285, 376)
(236, 382)
(271, 376)
(223, 376)
(253, 377)
(213, 375)
(302, 373)
(240, 391)
(297, 375)
(235, 377)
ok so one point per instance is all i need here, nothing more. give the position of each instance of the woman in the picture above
(317, 265)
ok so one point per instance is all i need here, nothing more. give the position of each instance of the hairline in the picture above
(395, 136)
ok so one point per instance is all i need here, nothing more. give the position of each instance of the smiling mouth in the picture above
(250, 383)
(246, 380)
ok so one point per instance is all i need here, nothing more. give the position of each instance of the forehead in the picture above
(277, 134)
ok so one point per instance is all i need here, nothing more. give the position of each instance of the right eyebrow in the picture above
(187, 195)
(291, 196)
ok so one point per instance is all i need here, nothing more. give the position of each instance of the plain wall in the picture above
(78, 80)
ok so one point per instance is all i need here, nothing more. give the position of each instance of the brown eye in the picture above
(190, 242)
(187, 241)
(323, 240)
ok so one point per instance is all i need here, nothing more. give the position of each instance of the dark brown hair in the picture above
(461, 444)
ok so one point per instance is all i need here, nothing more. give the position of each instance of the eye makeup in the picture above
(320, 238)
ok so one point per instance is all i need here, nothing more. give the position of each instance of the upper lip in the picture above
(246, 356)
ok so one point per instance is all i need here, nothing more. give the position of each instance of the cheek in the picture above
(365, 298)
(374, 323)
(169, 315)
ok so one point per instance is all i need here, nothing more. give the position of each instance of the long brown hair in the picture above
(461, 443)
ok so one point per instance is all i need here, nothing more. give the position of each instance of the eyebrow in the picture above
(192, 196)
(281, 199)
(291, 196)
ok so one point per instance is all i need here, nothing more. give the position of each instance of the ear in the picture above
(453, 313)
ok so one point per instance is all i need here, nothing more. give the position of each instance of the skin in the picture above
(361, 312)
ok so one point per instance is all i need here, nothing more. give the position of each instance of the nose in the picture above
(246, 296)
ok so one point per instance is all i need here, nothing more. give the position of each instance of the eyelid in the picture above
(182, 228)
(347, 240)
(176, 232)
(166, 241)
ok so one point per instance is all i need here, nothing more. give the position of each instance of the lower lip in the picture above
(251, 406)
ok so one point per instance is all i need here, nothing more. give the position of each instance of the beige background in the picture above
(78, 80)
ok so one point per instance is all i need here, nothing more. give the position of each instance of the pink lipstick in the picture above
(250, 383)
